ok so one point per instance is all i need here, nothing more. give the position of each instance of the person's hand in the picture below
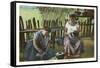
(40, 51)
(65, 34)
(50, 43)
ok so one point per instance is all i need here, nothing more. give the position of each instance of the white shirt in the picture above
(71, 28)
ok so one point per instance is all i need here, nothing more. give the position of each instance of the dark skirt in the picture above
(72, 46)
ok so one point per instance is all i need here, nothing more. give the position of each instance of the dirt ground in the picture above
(88, 48)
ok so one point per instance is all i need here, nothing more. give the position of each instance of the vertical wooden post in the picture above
(38, 23)
(21, 23)
(45, 23)
(61, 29)
(57, 23)
(84, 30)
(80, 24)
(29, 24)
(53, 34)
(27, 34)
(49, 24)
(22, 37)
(34, 23)
(93, 30)
(88, 27)
(89, 33)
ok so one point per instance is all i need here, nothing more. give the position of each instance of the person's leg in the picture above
(77, 45)
(29, 53)
(72, 49)
(49, 54)
(77, 49)
(68, 47)
(66, 42)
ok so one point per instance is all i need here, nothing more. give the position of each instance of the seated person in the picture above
(38, 48)
(72, 43)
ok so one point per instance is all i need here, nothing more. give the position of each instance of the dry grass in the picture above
(88, 48)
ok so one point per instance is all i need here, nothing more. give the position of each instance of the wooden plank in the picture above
(38, 23)
(22, 36)
(29, 24)
(34, 30)
(89, 27)
(21, 23)
(49, 23)
(34, 22)
(83, 28)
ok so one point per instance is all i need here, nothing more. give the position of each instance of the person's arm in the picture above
(65, 29)
(37, 44)
(78, 28)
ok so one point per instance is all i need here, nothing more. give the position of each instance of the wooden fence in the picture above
(57, 27)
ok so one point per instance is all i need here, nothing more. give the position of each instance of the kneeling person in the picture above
(38, 49)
